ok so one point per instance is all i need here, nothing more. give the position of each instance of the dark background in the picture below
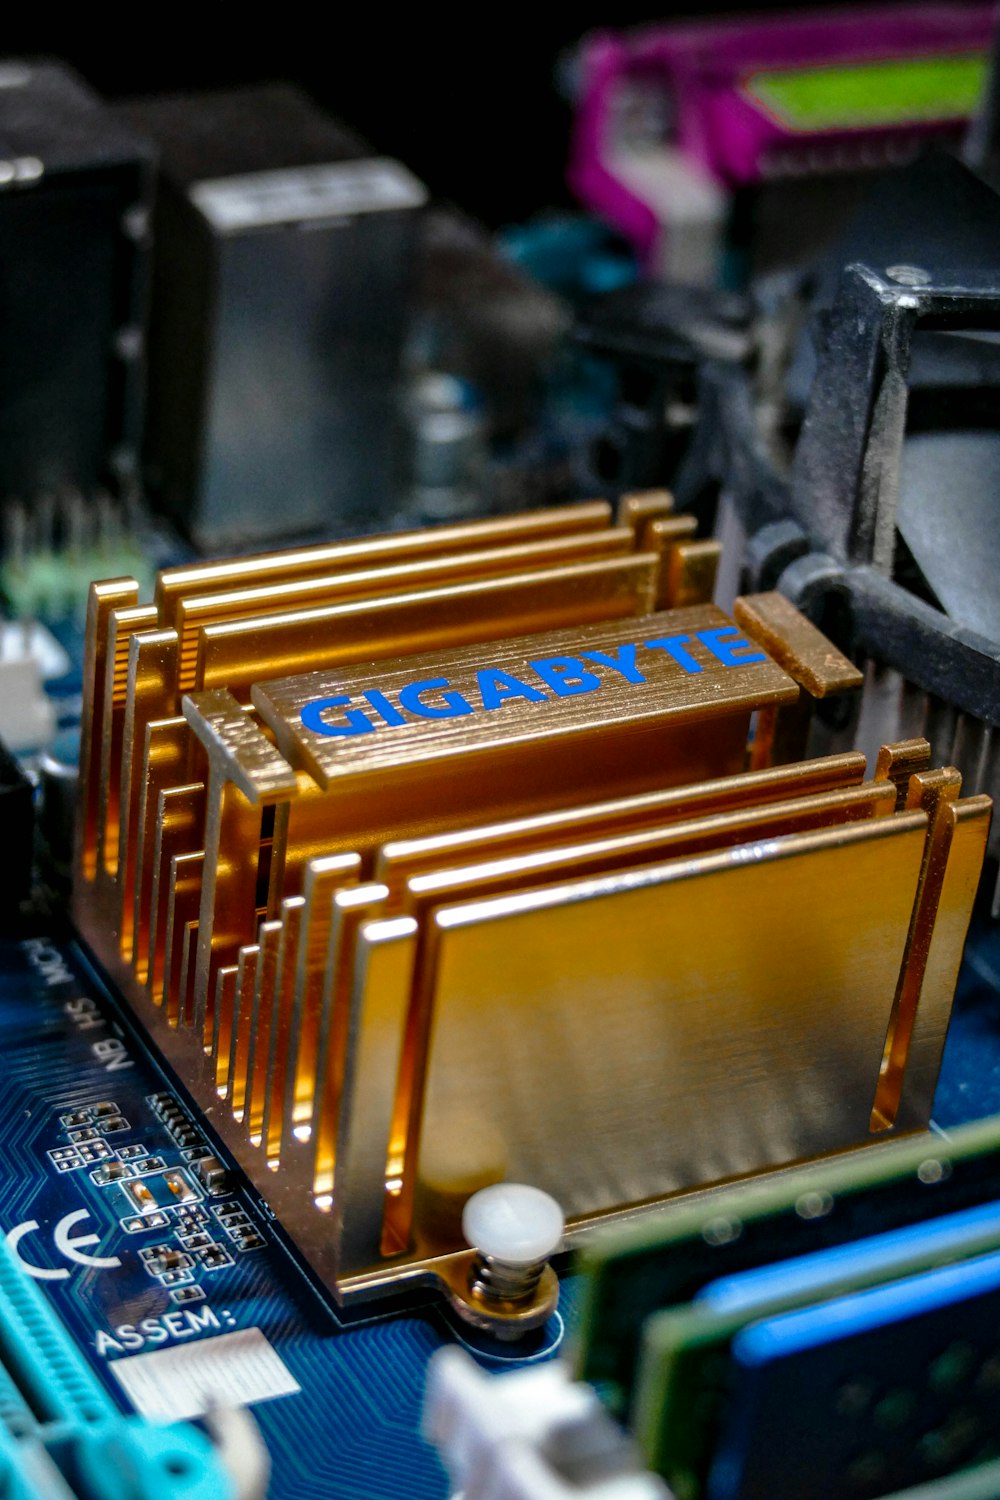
(470, 105)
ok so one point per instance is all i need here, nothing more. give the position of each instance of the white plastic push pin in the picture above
(514, 1229)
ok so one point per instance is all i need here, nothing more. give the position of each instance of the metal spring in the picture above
(498, 1281)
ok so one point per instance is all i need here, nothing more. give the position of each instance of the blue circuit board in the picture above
(969, 1085)
(102, 1200)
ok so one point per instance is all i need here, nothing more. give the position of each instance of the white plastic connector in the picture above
(29, 654)
(241, 1450)
(513, 1223)
(532, 1435)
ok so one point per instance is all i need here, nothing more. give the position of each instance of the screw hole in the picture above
(908, 275)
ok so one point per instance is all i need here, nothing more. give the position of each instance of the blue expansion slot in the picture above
(884, 1255)
(61, 1436)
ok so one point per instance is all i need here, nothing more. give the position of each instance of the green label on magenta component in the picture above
(851, 96)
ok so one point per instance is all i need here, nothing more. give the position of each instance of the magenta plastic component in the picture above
(718, 126)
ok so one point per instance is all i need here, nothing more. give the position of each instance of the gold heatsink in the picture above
(489, 852)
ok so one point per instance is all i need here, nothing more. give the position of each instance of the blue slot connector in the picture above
(61, 1436)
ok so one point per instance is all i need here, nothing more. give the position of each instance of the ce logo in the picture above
(68, 1245)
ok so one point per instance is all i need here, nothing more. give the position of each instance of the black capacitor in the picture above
(283, 251)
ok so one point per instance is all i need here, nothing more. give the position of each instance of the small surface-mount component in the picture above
(161, 1258)
(75, 1118)
(112, 1171)
(239, 1227)
(189, 1219)
(230, 1214)
(105, 1110)
(176, 1119)
(95, 1151)
(135, 1225)
(213, 1258)
(141, 1195)
(160, 1190)
(65, 1158)
(176, 1278)
(198, 1241)
(179, 1187)
(211, 1174)
(182, 1294)
(248, 1239)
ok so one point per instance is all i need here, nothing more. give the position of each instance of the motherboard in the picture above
(500, 949)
